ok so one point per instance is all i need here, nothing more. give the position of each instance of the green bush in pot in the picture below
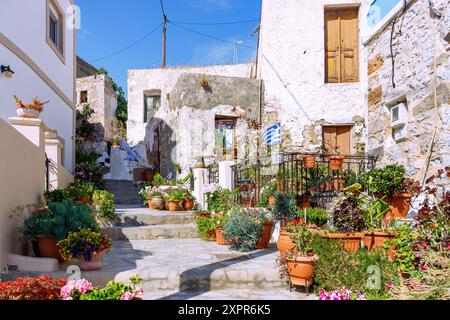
(384, 182)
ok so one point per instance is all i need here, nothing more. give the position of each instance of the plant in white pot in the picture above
(30, 110)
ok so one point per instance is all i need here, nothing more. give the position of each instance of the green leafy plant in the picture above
(59, 220)
(205, 226)
(104, 203)
(174, 194)
(316, 216)
(243, 230)
(58, 195)
(268, 190)
(384, 182)
(83, 244)
(285, 207)
(115, 291)
(222, 200)
(303, 241)
(402, 245)
(373, 210)
(80, 190)
(188, 195)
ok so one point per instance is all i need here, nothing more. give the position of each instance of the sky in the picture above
(110, 26)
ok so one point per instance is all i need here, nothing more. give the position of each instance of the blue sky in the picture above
(107, 26)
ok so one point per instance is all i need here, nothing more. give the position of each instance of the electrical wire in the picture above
(129, 46)
(162, 8)
(215, 23)
(211, 36)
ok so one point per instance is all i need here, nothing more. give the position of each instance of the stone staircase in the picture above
(125, 192)
(139, 223)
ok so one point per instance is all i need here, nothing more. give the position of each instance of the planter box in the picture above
(352, 242)
(375, 240)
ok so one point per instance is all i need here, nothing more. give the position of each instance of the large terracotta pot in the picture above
(158, 203)
(301, 270)
(149, 203)
(399, 206)
(309, 162)
(211, 235)
(263, 241)
(272, 200)
(188, 204)
(95, 264)
(352, 242)
(174, 205)
(27, 113)
(285, 243)
(220, 239)
(48, 248)
(375, 240)
(336, 162)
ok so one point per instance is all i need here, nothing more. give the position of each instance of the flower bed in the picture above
(40, 288)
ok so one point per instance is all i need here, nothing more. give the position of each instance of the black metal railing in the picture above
(213, 174)
(313, 184)
(47, 173)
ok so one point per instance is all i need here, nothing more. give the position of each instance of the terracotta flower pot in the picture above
(95, 264)
(263, 241)
(301, 270)
(27, 113)
(352, 242)
(203, 215)
(174, 205)
(285, 243)
(220, 239)
(188, 204)
(336, 162)
(48, 248)
(211, 235)
(399, 206)
(158, 203)
(309, 162)
(247, 203)
(272, 200)
(375, 240)
(149, 203)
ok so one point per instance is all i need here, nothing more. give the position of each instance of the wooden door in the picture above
(336, 138)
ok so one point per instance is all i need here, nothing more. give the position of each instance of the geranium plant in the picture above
(83, 244)
(27, 288)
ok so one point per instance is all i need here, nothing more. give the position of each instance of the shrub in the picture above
(104, 202)
(40, 288)
(386, 181)
(204, 227)
(243, 230)
(346, 215)
(316, 216)
(222, 200)
(285, 206)
(337, 268)
(59, 220)
(58, 195)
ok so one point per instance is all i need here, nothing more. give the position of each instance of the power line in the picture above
(215, 23)
(211, 36)
(162, 8)
(129, 46)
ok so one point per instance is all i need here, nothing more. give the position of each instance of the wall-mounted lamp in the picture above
(6, 70)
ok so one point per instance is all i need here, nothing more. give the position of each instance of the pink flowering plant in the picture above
(341, 294)
(84, 290)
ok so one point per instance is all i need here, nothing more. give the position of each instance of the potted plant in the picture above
(309, 162)
(268, 193)
(153, 197)
(266, 220)
(377, 230)
(174, 197)
(201, 214)
(31, 110)
(88, 246)
(103, 202)
(285, 242)
(206, 228)
(81, 192)
(389, 183)
(188, 201)
(347, 222)
(55, 224)
(336, 159)
(317, 217)
(220, 220)
(301, 260)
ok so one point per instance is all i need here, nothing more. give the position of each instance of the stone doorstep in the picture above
(33, 264)
(148, 217)
(169, 231)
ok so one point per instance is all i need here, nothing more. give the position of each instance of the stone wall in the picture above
(291, 63)
(183, 129)
(418, 39)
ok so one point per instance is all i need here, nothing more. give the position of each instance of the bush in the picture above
(104, 201)
(243, 229)
(316, 216)
(40, 288)
(59, 220)
(337, 268)
(285, 206)
(204, 227)
(384, 182)
(58, 195)
(222, 200)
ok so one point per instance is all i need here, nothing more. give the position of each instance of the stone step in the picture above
(167, 231)
(146, 217)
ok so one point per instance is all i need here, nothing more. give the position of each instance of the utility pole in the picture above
(236, 43)
(164, 42)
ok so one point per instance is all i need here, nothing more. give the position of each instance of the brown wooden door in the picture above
(341, 45)
(337, 138)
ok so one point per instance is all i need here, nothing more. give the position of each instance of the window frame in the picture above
(151, 93)
(53, 9)
(81, 96)
(233, 149)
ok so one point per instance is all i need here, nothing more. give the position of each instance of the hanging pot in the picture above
(336, 162)
(309, 162)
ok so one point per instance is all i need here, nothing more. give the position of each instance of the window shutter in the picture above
(332, 46)
(349, 45)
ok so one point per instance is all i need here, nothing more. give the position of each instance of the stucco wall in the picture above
(291, 63)
(22, 182)
(30, 38)
(417, 40)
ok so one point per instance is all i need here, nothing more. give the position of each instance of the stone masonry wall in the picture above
(418, 39)
(291, 63)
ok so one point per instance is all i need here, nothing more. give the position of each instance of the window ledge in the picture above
(56, 50)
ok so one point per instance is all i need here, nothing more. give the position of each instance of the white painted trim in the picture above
(369, 33)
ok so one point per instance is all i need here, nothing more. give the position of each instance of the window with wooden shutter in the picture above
(336, 139)
(341, 45)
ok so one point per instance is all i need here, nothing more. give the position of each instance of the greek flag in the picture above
(272, 136)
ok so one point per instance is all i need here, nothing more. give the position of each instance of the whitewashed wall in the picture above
(24, 23)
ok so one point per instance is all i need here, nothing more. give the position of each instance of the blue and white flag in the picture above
(272, 136)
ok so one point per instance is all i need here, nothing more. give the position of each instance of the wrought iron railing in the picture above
(314, 185)
(213, 174)
(47, 173)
